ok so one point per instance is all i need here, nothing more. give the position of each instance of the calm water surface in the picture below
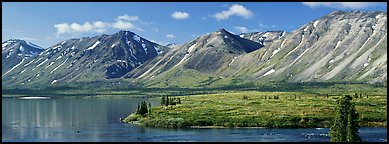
(74, 119)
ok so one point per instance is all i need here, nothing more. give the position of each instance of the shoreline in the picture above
(236, 127)
(137, 122)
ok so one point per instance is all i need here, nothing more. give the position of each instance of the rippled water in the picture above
(98, 120)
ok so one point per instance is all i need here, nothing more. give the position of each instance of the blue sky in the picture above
(48, 23)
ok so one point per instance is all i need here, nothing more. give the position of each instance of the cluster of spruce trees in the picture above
(345, 127)
(142, 108)
(165, 101)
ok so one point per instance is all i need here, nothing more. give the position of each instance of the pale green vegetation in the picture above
(261, 109)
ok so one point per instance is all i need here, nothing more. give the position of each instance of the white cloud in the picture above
(170, 36)
(123, 22)
(98, 27)
(180, 15)
(345, 5)
(241, 29)
(81, 28)
(127, 18)
(122, 25)
(62, 28)
(235, 9)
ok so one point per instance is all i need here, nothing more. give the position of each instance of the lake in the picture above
(76, 119)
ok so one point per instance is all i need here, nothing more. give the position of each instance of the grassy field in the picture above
(116, 88)
(298, 104)
(251, 109)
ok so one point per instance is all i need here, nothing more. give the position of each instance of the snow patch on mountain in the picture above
(233, 60)
(186, 55)
(315, 23)
(42, 63)
(54, 81)
(282, 44)
(23, 71)
(137, 38)
(337, 44)
(29, 62)
(59, 66)
(93, 46)
(58, 58)
(300, 55)
(144, 47)
(129, 47)
(266, 35)
(121, 61)
(49, 65)
(275, 52)
(14, 67)
(302, 39)
(21, 48)
(191, 48)
(4, 45)
(157, 49)
(269, 72)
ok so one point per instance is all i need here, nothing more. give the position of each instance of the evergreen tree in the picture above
(167, 101)
(352, 127)
(345, 128)
(338, 130)
(143, 108)
(137, 110)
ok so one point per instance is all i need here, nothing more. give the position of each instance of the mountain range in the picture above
(338, 47)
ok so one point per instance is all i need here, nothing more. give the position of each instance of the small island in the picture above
(258, 109)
